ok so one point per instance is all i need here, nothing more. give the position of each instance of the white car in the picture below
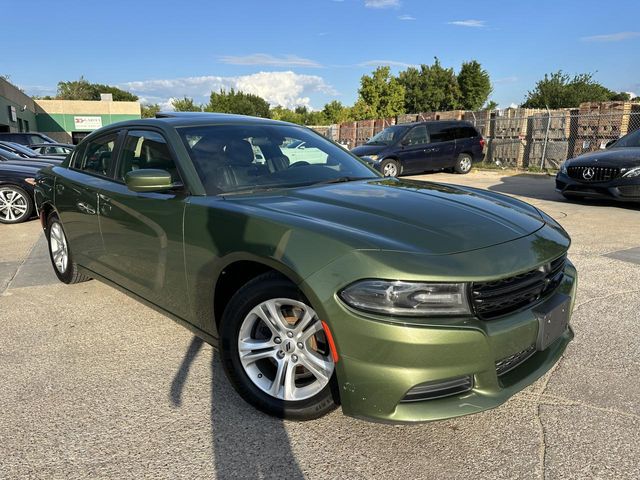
(297, 151)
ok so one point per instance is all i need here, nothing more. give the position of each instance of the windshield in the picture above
(237, 158)
(388, 136)
(631, 140)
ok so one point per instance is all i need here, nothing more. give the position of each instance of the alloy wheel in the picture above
(284, 351)
(13, 204)
(390, 170)
(59, 249)
(465, 164)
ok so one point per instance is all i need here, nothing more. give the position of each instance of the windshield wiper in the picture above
(342, 180)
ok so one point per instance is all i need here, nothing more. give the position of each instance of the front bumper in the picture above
(380, 362)
(621, 189)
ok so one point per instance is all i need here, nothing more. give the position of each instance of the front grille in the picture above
(593, 174)
(501, 297)
(630, 190)
(512, 361)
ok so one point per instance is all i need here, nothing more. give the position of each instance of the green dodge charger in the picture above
(320, 282)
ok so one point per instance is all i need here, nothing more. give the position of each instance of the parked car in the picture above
(56, 149)
(613, 173)
(37, 161)
(16, 192)
(321, 284)
(424, 146)
(22, 151)
(297, 151)
(26, 138)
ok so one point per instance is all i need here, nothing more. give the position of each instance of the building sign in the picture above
(87, 123)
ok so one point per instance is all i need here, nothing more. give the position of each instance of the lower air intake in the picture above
(439, 389)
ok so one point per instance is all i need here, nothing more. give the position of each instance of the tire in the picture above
(390, 167)
(265, 362)
(16, 205)
(463, 164)
(61, 259)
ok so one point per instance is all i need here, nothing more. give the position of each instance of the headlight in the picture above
(634, 172)
(372, 157)
(407, 298)
(563, 168)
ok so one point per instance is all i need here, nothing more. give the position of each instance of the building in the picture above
(66, 121)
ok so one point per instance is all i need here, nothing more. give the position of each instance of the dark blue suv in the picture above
(419, 147)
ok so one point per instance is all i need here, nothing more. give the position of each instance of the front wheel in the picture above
(16, 205)
(63, 265)
(390, 167)
(463, 164)
(275, 351)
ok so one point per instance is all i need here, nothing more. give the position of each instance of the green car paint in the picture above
(172, 251)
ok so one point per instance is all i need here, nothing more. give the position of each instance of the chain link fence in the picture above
(517, 137)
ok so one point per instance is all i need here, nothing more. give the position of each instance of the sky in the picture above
(309, 52)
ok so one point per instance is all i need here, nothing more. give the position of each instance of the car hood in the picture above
(402, 215)
(32, 164)
(28, 170)
(364, 150)
(613, 157)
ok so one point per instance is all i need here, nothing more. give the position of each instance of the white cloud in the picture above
(390, 63)
(287, 89)
(611, 37)
(381, 3)
(469, 23)
(406, 17)
(265, 59)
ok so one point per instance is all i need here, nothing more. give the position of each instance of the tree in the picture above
(361, 111)
(431, 88)
(560, 90)
(185, 104)
(490, 105)
(382, 93)
(237, 102)
(335, 112)
(149, 111)
(286, 115)
(82, 89)
(475, 85)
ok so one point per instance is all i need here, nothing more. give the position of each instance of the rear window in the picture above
(466, 131)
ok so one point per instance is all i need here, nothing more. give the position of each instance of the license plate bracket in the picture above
(553, 320)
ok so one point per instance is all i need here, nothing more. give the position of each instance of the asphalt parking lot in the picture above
(95, 385)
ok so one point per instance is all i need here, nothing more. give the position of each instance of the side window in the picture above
(417, 136)
(442, 132)
(466, 132)
(98, 156)
(146, 149)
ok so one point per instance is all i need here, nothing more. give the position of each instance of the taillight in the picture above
(482, 142)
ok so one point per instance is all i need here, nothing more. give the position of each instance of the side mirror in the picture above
(405, 142)
(148, 180)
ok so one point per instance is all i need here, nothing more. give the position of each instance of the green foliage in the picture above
(475, 85)
(82, 89)
(335, 112)
(620, 97)
(490, 105)
(185, 104)
(301, 115)
(149, 111)
(237, 102)
(431, 88)
(382, 93)
(560, 90)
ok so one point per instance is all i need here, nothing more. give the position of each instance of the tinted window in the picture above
(417, 136)
(442, 132)
(98, 155)
(631, 140)
(144, 149)
(466, 131)
(233, 158)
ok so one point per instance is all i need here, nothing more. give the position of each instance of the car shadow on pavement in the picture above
(246, 443)
(542, 187)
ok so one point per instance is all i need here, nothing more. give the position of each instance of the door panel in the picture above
(412, 153)
(442, 146)
(77, 201)
(142, 232)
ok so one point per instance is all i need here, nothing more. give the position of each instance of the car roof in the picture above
(183, 119)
